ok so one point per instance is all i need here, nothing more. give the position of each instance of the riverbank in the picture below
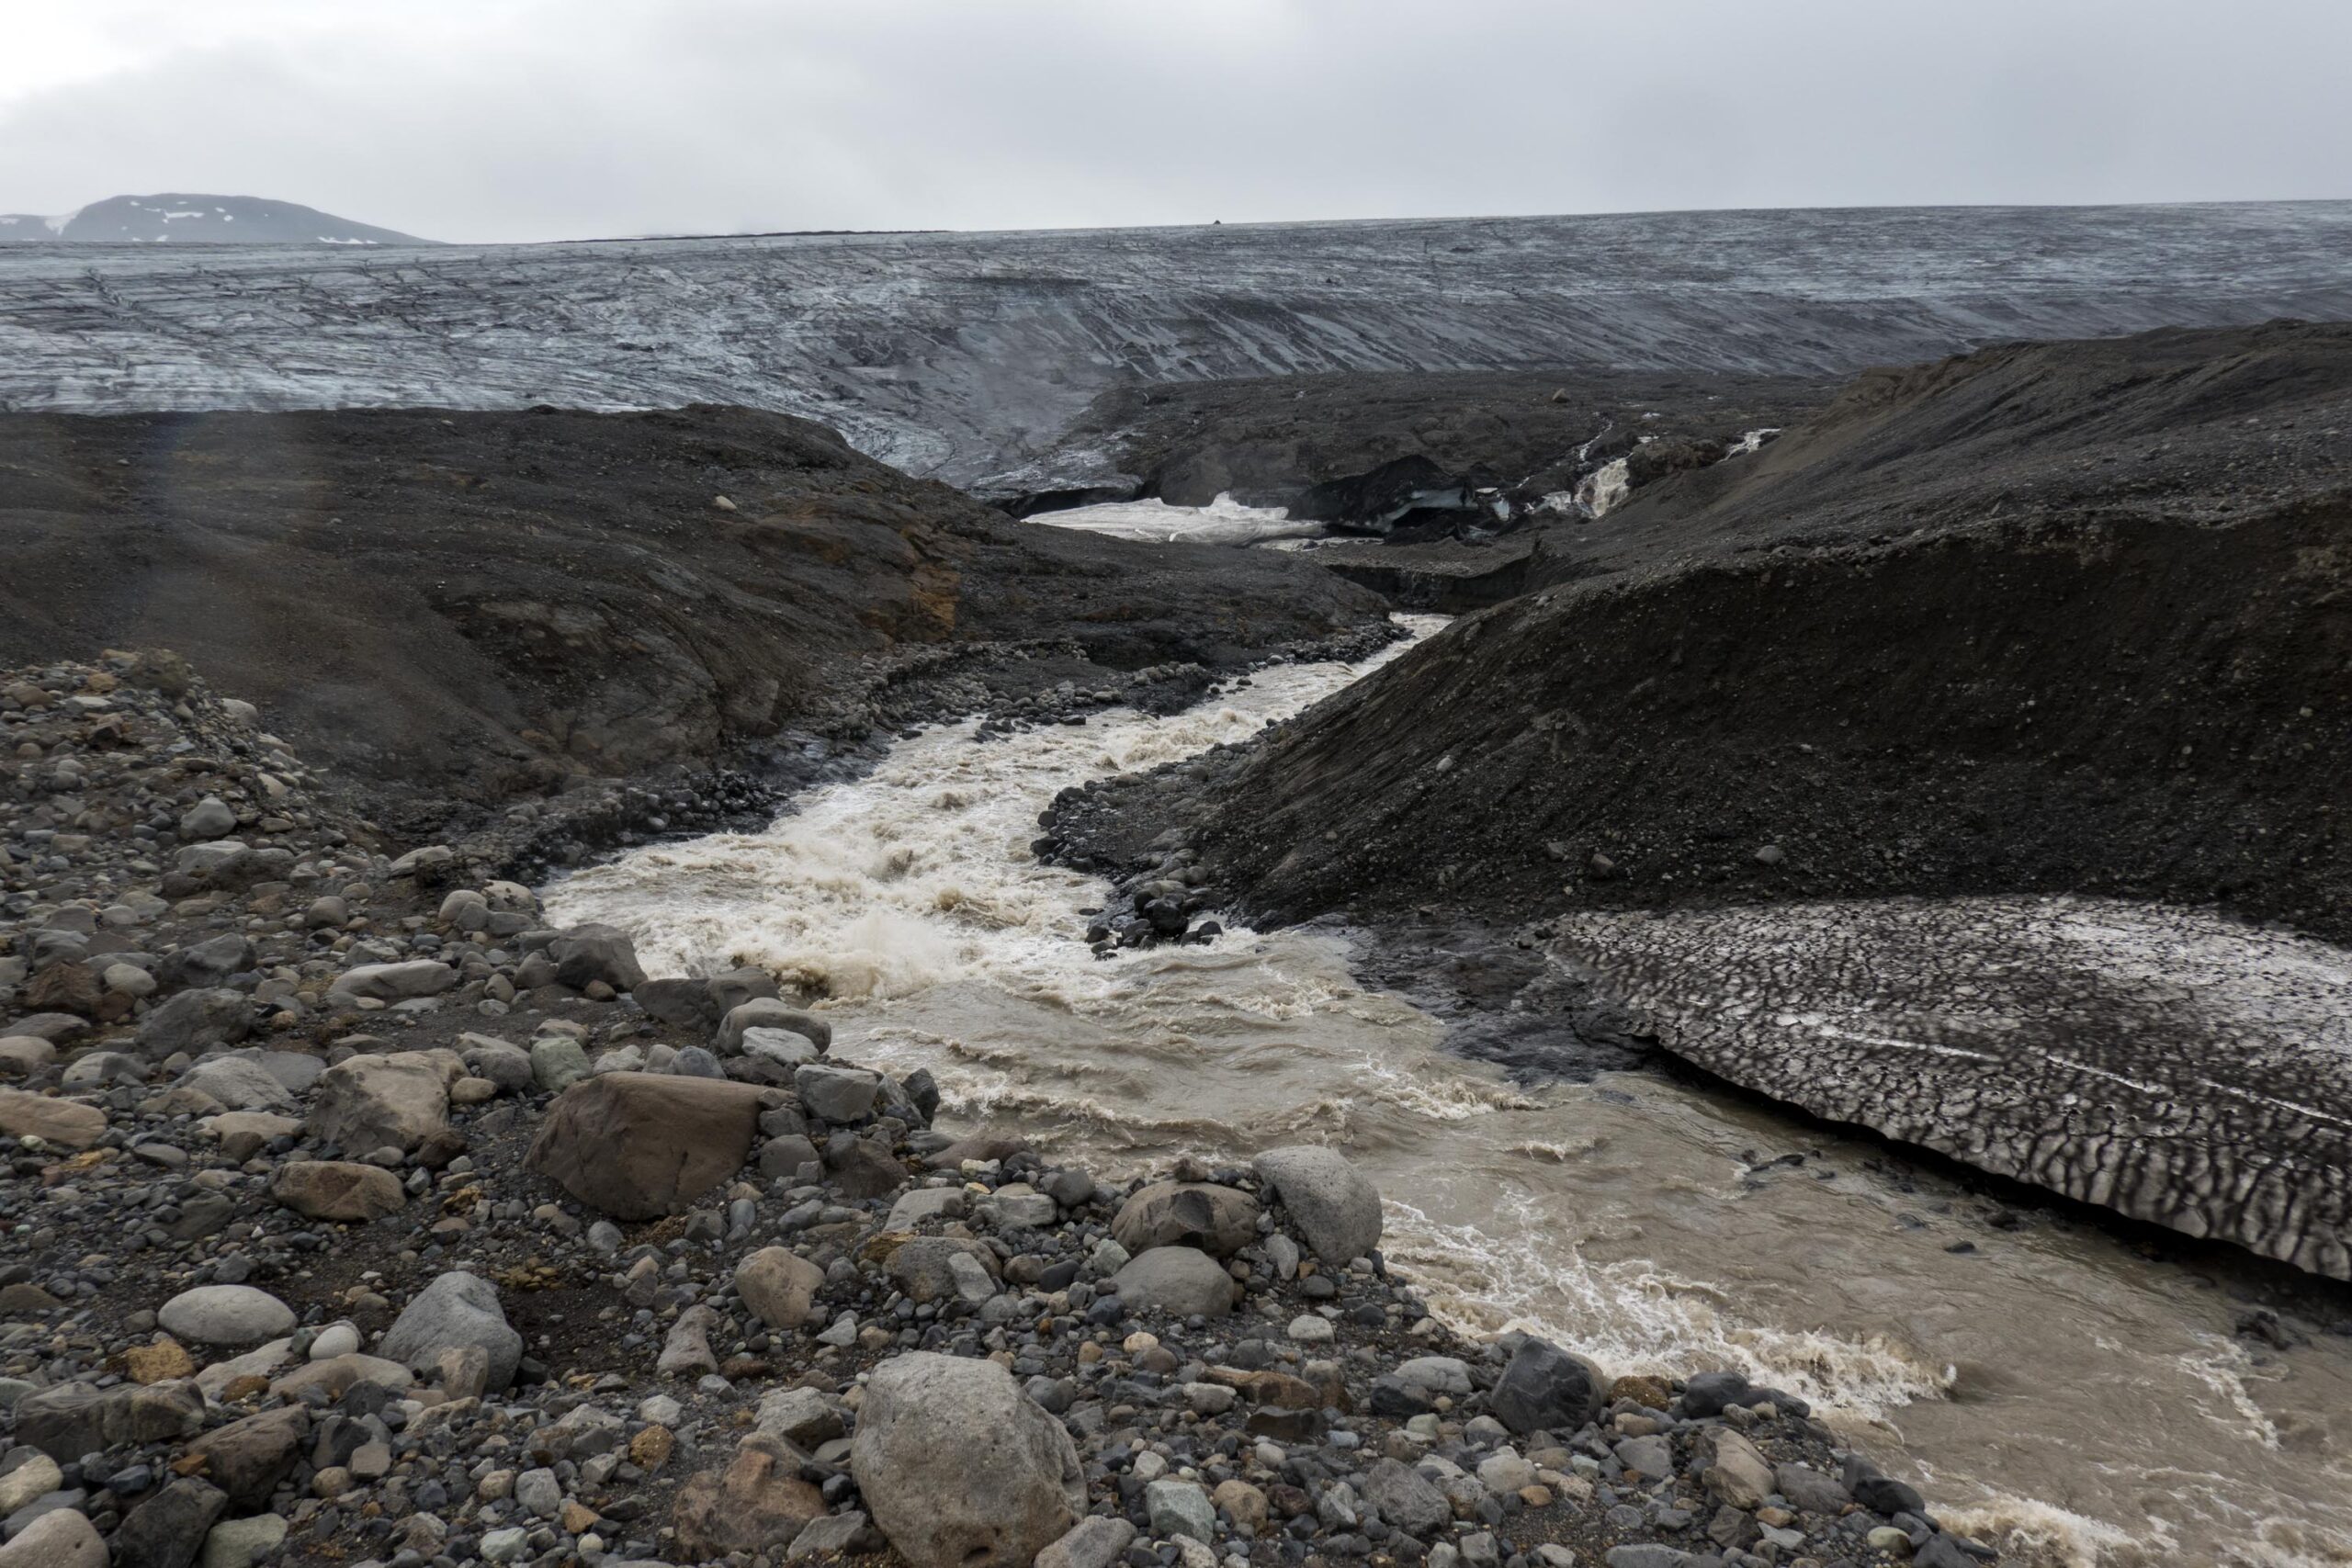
(359, 1214)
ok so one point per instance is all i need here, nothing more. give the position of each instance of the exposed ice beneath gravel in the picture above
(1224, 521)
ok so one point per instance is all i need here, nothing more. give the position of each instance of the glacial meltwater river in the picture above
(2050, 1388)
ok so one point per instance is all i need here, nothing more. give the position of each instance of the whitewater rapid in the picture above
(2063, 1394)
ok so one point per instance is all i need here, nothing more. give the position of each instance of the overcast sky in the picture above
(483, 119)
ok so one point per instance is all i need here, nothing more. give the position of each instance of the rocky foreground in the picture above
(356, 1217)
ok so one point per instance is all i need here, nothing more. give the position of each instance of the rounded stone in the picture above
(226, 1314)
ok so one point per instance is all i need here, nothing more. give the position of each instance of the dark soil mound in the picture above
(477, 604)
(2072, 617)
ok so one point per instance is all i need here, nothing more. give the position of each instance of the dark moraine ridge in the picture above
(479, 606)
(1297, 441)
(2070, 618)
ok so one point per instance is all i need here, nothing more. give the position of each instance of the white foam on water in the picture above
(1605, 488)
(1224, 521)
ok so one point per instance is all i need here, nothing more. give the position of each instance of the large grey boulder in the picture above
(455, 1312)
(685, 1002)
(373, 1102)
(585, 955)
(208, 818)
(639, 1145)
(62, 1537)
(1407, 1499)
(836, 1093)
(193, 1022)
(1182, 1282)
(239, 1083)
(1219, 1220)
(1335, 1209)
(168, 1529)
(1544, 1388)
(960, 1468)
(207, 963)
(924, 1266)
(786, 1050)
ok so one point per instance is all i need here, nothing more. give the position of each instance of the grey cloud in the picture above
(537, 119)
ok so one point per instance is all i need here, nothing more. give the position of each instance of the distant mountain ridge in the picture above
(178, 218)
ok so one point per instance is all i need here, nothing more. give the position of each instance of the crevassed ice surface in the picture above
(954, 355)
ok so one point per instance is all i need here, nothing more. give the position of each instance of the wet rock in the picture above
(457, 1310)
(835, 1093)
(1708, 1394)
(1544, 1388)
(639, 1145)
(1877, 1490)
(767, 1013)
(1337, 1210)
(1808, 1490)
(588, 954)
(1217, 1220)
(925, 1419)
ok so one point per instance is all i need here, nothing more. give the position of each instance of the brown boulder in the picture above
(247, 1459)
(65, 988)
(1220, 1221)
(64, 1122)
(639, 1145)
(757, 1504)
(778, 1285)
(337, 1189)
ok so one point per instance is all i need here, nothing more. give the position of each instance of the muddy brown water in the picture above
(2049, 1387)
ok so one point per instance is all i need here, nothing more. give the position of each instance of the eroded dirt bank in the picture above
(467, 609)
